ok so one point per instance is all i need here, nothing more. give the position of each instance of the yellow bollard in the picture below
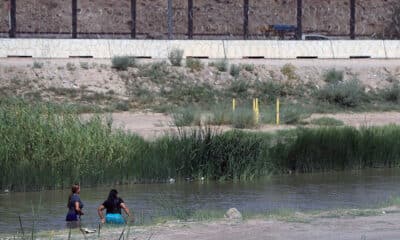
(277, 112)
(233, 104)
(257, 112)
(254, 110)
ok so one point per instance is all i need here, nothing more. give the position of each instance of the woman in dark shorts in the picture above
(74, 205)
(113, 205)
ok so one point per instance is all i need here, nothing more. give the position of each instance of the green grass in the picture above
(327, 121)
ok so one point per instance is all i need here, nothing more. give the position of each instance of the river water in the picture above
(355, 189)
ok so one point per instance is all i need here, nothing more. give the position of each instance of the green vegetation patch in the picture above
(123, 62)
(327, 121)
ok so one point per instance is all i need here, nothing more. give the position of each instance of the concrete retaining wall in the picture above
(65, 48)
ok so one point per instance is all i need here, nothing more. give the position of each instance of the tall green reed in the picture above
(41, 147)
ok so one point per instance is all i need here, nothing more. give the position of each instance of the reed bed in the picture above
(43, 148)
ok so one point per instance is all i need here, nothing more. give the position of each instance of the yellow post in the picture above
(257, 112)
(233, 104)
(254, 110)
(277, 112)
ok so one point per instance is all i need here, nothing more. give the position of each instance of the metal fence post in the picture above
(170, 27)
(74, 18)
(133, 18)
(352, 19)
(299, 19)
(190, 19)
(246, 19)
(13, 19)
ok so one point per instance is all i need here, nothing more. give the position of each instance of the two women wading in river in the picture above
(113, 205)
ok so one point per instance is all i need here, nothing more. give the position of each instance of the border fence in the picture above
(200, 19)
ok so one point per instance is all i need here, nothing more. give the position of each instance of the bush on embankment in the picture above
(42, 148)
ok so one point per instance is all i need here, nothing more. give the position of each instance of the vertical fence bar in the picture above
(13, 19)
(74, 18)
(133, 18)
(299, 19)
(190, 19)
(170, 27)
(352, 19)
(246, 19)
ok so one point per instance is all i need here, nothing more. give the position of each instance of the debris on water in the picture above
(86, 230)
(188, 179)
(171, 180)
(233, 214)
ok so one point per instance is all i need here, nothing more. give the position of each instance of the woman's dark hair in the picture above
(112, 196)
(74, 189)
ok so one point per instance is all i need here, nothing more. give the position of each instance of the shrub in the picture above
(71, 67)
(84, 65)
(194, 64)
(157, 72)
(221, 65)
(184, 117)
(239, 87)
(327, 121)
(270, 89)
(122, 106)
(392, 94)
(37, 64)
(293, 114)
(248, 67)
(345, 94)
(333, 76)
(289, 71)
(175, 57)
(123, 62)
(234, 70)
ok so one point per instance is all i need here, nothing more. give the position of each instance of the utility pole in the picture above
(299, 19)
(13, 19)
(246, 19)
(353, 19)
(133, 18)
(74, 18)
(170, 14)
(190, 19)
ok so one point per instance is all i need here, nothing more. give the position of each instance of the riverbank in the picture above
(379, 223)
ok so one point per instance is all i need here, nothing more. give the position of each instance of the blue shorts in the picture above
(72, 217)
(114, 218)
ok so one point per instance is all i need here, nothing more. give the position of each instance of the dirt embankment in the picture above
(373, 17)
(81, 79)
(94, 82)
